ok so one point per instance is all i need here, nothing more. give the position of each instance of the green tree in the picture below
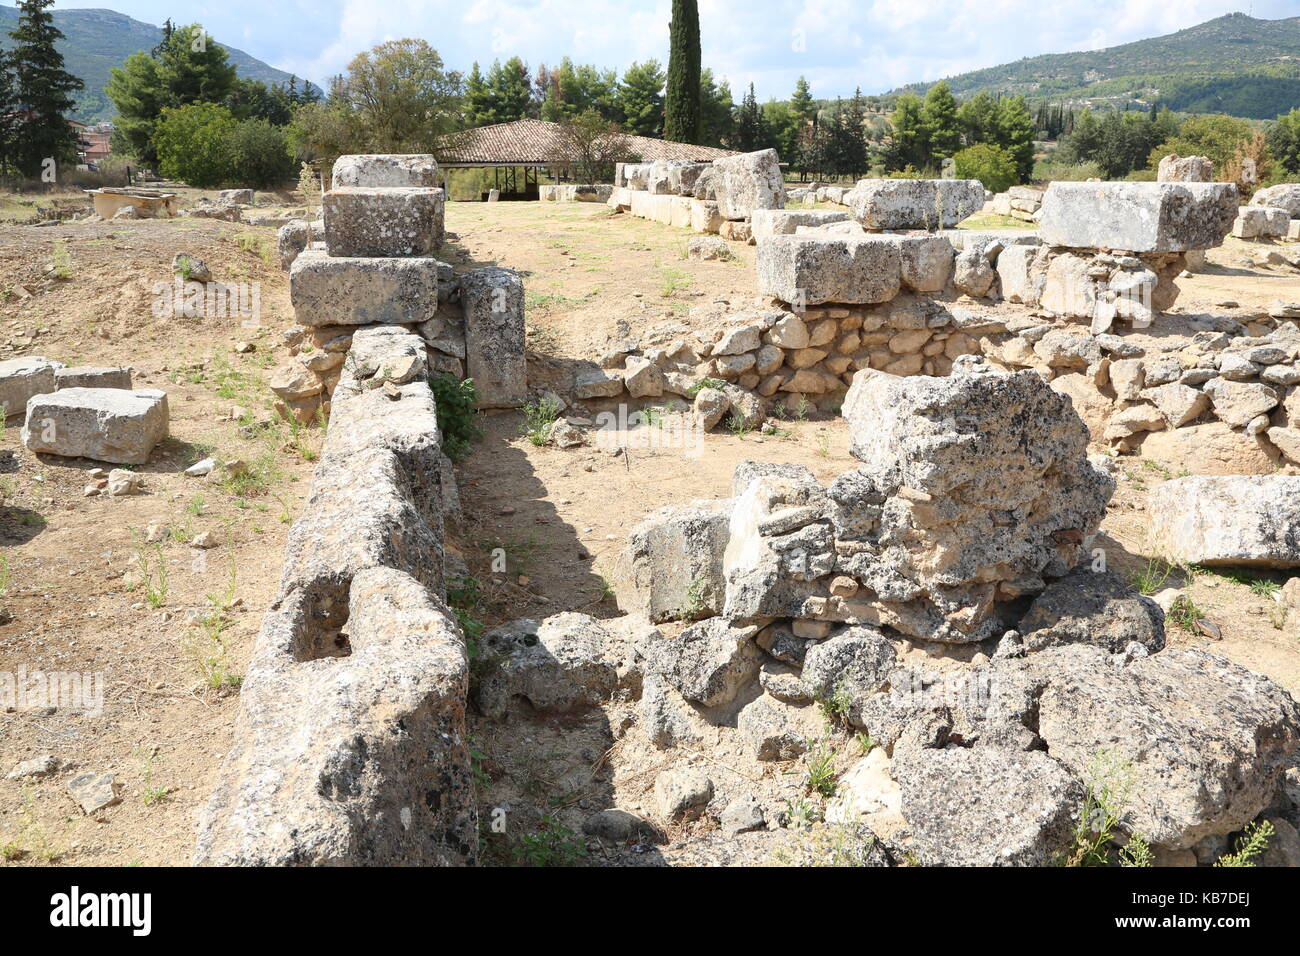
(682, 102)
(324, 131)
(942, 129)
(992, 165)
(908, 142)
(191, 142)
(8, 113)
(259, 155)
(509, 90)
(253, 99)
(1284, 141)
(801, 101)
(751, 130)
(401, 97)
(42, 92)
(978, 117)
(186, 67)
(782, 128)
(573, 89)
(717, 111)
(478, 98)
(1212, 134)
(1015, 133)
(641, 99)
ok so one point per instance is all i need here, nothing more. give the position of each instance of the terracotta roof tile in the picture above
(530, 141)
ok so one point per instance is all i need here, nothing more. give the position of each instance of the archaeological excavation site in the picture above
(555, 492)
(910, 547)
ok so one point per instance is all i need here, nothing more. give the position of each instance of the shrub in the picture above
(192, 144)
(993, 166)
(259, 154)
(457, 405)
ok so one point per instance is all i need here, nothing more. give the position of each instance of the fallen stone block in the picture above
(784, 222)
(1227, 520)
(1185, 169)
(334, 290)
(493, 302)
(671, 568)
(1138, 217)
(395, 170)
(1284, 196)
(1261, 222)
(91, 376)
(21, 378)
(387, 221)
(559, 665)
(293, 237)
(928, 204)
(811, 270)
(106, 424)
(1196, 743)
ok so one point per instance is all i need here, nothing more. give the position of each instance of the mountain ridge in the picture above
(96, 40)
(1232, 64)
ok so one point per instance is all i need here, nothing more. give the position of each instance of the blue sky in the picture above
(837, 44)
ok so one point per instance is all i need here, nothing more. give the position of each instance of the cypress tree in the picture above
(42, 91)
(682, 103)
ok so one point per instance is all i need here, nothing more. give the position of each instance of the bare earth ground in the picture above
(80, 601)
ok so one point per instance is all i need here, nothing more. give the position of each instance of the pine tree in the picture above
(682, 103)
(641, 98)
(751, 131)
(478, 101)
(943, 131)
(1016, 134)
(717, 111)
(509, 91)
(42, 91)
(802, 102)
(8, 114)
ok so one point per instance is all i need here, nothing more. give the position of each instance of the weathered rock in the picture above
(709, 662)
(1230, 520)
(107, 424)
(351, 730)
(91, 376)
(772, 730)
(856, 662)
(987, 807)
(94, 791)
(1283, 196)
(707, 248)
(1209, 449)
(335, 290)
(293, 237)
(973, 486)
(386, 170)
(927, 262)
(21, 378)
(914, 203)
(671, 568)
(1193, 745)
(493, 302)
(747, 182)
(784, 222)
(1093, 607)
(41, 766)
(1185, 169)
(557, 665)
(811, 270)
(683, 794)
(382, 221)
(1138, 217)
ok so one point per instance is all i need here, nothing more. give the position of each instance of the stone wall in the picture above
(349, 747)
(370, 263)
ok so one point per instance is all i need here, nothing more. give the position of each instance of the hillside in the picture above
(98, 40)
(1233, 64)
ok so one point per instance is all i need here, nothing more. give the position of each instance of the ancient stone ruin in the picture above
(370, 262)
